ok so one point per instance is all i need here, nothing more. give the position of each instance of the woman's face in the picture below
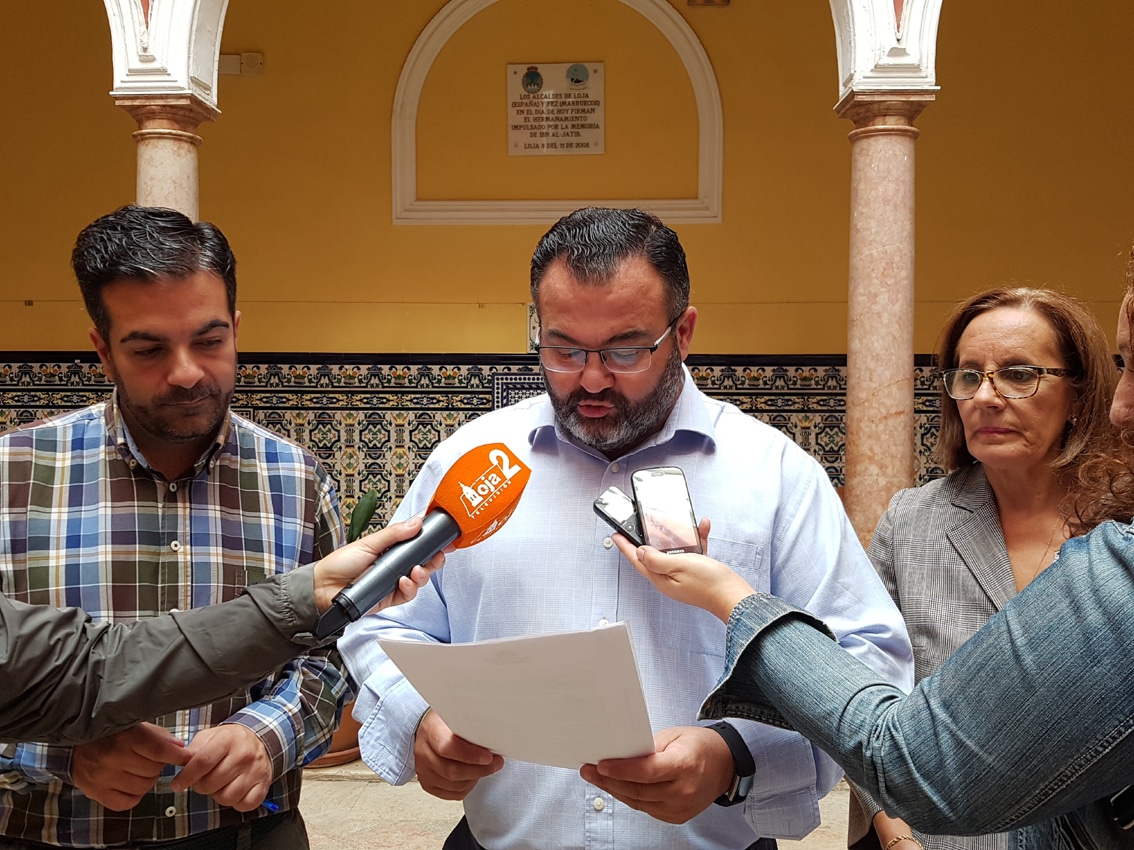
(1016, 433)
(1122, 409)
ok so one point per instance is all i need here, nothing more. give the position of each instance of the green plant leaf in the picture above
(363, 512)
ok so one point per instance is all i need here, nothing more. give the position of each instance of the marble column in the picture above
(167, 148)
(880, 456)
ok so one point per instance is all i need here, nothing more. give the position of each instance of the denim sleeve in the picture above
(1044, 692)
(881, 554)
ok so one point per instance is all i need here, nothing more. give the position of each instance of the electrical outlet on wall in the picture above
(244, 64)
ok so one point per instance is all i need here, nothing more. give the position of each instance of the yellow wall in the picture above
(1022, 166)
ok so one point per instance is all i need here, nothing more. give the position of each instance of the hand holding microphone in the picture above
(474, 499)
(348, 563)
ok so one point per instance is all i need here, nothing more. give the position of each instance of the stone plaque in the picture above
(556, 109)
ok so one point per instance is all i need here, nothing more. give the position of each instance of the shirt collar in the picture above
(124, 440)
(688, 416)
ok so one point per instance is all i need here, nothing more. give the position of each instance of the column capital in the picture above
(884, 111)
(169, 115)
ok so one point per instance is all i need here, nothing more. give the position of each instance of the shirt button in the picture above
(175, 546)
(172, 486)
(614, 467)
(603, 622)
(599, 804)
(170, 811)
(607, 543)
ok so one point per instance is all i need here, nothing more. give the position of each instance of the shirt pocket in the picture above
(232, 583)
(686, 629)
(235, 577)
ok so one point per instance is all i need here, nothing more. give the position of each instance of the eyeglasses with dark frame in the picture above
(1007, 382)
(623, 359)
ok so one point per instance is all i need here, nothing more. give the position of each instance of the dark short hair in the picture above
(147, 244)
(594, 241)
(1081, 343)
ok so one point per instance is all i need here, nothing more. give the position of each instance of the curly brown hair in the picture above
(1102, 487)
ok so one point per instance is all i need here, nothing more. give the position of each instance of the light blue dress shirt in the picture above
(776, 519)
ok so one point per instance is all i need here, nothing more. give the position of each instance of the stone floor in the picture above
(349, 808)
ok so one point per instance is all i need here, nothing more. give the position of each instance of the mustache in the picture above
(182, 395)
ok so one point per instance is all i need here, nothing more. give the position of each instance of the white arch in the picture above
(877, 52)
(408, 209)
(173, 52)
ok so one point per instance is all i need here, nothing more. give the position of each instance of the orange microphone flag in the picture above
(480, 491)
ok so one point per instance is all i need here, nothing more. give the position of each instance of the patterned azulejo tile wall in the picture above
(373, 419)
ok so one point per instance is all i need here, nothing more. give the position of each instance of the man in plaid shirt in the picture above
(162, 499)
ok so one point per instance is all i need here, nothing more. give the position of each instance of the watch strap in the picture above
(742, 758)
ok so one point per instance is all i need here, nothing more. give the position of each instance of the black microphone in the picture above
(438, 530)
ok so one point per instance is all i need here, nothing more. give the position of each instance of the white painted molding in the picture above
(875, 54)
(175, 52)
(409, 209)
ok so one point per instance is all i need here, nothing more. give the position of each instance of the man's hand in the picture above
(230, 764)
(120, 769)
(447, 766)
(691, 768)
(343, 566)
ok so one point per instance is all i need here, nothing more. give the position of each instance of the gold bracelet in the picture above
(898, 838)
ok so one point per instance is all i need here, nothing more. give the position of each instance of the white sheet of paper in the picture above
(565, 699)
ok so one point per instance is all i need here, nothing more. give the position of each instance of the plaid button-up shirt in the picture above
(84, 522)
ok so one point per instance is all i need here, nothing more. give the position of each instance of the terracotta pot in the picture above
(344, 743)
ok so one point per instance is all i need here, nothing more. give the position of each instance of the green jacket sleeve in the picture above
(68, 680)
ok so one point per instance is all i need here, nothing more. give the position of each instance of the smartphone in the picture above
(619, 510)
(665, 510)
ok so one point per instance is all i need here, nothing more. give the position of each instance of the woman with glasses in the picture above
(1027, 378)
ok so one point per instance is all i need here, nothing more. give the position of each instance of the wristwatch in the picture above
(745, 767)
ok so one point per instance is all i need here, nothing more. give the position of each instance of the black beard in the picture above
(155, 422)
(630, 423)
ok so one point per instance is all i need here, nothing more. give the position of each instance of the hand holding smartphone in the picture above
(665, 510)
(660, 514)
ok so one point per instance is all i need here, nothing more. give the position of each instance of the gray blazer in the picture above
(941, 554)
